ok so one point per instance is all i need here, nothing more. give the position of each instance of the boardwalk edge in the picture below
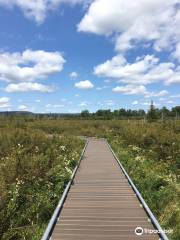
(53, 220)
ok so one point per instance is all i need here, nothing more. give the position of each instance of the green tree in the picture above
(85, 113)
(176, 111)
(152, 114)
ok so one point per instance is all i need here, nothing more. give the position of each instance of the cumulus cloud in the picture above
(175, 78)
(84, 85)
(22, 108)
(138, 90)
(27, 87)
(133, 22)
(29, 65)
(37, 10)
(136, 24)
(162, 93)
(118, 67)
(4, 102)
(131, 90)
(144, 70)
(73, 75)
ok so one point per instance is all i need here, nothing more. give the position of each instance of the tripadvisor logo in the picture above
(139, 231)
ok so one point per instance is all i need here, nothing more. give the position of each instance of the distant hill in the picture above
(15, 113)
(31, 114)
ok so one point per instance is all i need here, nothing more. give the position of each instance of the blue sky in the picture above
(66, 56)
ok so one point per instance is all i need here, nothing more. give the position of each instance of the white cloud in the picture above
(135, 102)
(4, 102)
(54, 105)
(84, 85)
(175, 96)
(144, 70)
(118, 67)
(175, 78)
(29, 65)
(73, 75)
(28, 86)
(138, 90)
(37, 10)
(134, 22)
(176, 53)
(22, 108)
(138, 23)
(34, 9)
(131, 90)
(161, 93)
(83, 104)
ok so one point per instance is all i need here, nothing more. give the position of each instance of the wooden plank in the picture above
(101, 204)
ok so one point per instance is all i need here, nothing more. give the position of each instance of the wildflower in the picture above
(136, 149)
(36, 149)
(139, 158)
(63, 148)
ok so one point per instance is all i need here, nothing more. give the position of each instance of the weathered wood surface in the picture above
(101, 204)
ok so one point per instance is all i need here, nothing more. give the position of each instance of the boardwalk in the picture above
(101, 204)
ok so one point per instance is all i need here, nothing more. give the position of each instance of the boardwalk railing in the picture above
(55, 216)
(57, 211)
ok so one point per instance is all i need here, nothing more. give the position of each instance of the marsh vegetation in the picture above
(37, 157)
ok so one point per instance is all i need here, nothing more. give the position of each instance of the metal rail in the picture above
(57, 211)
(145, 206)
(51, 225)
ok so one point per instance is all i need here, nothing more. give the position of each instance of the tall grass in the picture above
(34, 169)
(35, 166)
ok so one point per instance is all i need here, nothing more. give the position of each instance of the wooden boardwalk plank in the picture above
(101, 203)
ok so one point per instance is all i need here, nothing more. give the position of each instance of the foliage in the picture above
(105, 114)
(85, 114)
(152, 114)
(34, 169)
(35, 177)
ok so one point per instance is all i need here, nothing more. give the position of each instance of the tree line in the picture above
(152, 114)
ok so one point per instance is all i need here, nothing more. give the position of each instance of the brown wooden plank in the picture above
(101, 204)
